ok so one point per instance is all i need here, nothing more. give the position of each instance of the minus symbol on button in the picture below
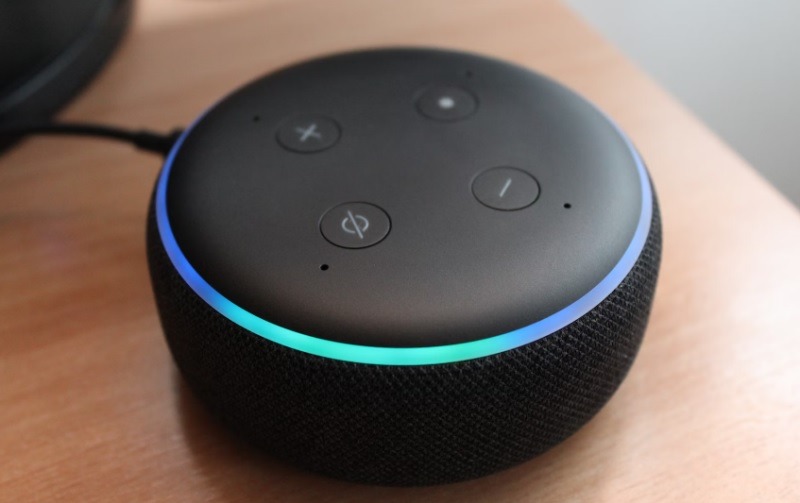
(505, 188)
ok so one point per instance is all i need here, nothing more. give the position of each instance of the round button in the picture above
(505, 188)
(446, 103)
(308, 133)
(355, 225)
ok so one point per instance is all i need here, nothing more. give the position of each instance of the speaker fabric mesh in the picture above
(405, 425)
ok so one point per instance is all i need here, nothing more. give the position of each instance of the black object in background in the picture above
(50, 49)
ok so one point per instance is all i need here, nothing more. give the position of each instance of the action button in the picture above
(505, 188)
(355, 225)
(308, 133)
(446, 103)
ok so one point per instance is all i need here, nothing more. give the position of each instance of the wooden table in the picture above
(92, 408)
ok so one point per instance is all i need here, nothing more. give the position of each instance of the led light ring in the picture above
(402, 356)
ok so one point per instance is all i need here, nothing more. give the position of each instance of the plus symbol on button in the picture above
(307, 132)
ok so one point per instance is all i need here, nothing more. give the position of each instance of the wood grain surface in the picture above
(92, 408)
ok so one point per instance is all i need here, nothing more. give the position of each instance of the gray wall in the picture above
(735, 63)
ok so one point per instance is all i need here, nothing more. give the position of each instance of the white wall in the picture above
(735, 63)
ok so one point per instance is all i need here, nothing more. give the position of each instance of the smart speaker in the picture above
(50, 50)
(404, 267)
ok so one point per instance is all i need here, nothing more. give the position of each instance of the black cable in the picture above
(143, 139)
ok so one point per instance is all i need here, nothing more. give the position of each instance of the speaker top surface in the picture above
(49, 50)
(403, 206)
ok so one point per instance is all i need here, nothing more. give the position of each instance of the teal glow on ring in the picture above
(402, 356)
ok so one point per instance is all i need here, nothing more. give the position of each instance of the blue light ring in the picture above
(378, 355)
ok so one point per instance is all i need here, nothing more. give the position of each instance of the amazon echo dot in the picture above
(51, 49)
(404, 267)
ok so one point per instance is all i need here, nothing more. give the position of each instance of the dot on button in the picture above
(355, 225)
(446, 103)
(308, 133)
(505, 188)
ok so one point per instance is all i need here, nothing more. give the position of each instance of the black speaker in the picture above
(51, 49)
(404, 267)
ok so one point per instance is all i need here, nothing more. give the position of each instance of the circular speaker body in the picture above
(404, 267)
(50, 50)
